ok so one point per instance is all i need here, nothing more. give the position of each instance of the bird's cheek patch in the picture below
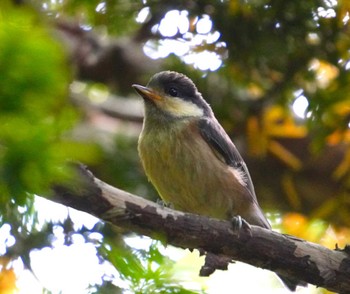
(179, 107)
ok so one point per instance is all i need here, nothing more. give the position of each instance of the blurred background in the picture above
(277, 75)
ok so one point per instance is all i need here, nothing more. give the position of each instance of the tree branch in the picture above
(127, 109)
(114, 62)
(284, 254)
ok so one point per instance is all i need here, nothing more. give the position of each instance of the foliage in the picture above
(146, 271)
(252, 60)
(31, 116)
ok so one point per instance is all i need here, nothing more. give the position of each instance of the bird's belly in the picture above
(190, 177)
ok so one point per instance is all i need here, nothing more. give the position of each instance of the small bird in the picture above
(189, 158)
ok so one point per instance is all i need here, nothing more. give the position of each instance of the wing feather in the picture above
(216, 137)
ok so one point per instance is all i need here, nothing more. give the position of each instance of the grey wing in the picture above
(217, 138)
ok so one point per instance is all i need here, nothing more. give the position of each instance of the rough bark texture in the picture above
(283, 254)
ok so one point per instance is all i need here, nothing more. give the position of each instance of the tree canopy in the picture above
(276, 73)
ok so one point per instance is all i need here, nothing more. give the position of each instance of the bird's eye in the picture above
(172, 92)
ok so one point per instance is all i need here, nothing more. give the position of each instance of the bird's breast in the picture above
(186, 172)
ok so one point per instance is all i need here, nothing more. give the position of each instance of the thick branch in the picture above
(283, 254)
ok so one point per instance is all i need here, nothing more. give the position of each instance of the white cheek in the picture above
(179, 107)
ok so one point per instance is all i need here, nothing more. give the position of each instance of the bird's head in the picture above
(174, 96)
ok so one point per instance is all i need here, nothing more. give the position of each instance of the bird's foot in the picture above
(165, 204)
(240, 226)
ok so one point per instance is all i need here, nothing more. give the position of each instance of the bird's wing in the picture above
(216, 137)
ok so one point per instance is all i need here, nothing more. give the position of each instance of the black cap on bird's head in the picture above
(174, 84)
(175, 94)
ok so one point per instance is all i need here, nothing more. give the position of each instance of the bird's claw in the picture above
(240, 224)
(165, 204)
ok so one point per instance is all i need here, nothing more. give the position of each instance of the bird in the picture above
(190, 159)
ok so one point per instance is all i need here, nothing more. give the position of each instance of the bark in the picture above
(284, 254)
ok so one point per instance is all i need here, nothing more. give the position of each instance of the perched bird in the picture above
(188, 156)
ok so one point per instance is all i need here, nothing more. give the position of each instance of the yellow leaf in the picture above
(294, 223)
(344, 167)
(256, 138)
(277, 123)
(291, 192)
(7, 281)
(285, 155)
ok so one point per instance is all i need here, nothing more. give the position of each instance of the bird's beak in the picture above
(147, 93)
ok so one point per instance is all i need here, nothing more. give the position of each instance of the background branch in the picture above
(113, 61)
(116, 107)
